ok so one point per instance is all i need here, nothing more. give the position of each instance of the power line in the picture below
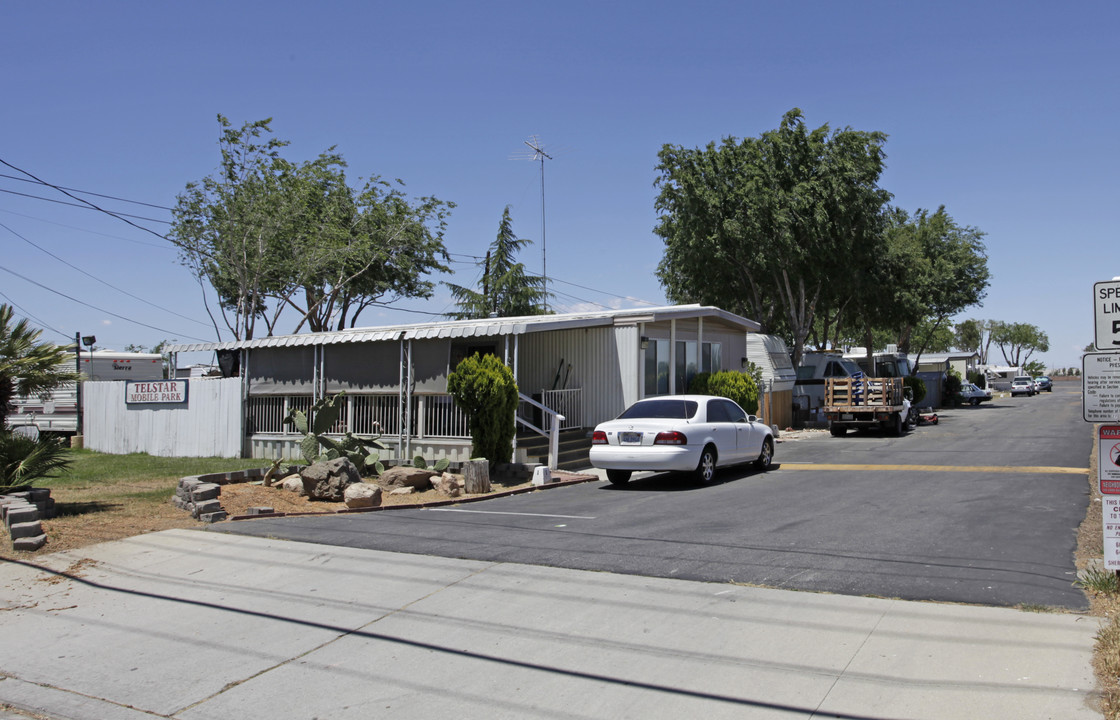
(29, 316)
(88, 192)
(83, 207)
(120, 217)
(94, 277)
(162, 246)
(93, 307)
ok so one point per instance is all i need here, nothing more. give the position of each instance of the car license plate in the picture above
(630, 438)
(847, 416)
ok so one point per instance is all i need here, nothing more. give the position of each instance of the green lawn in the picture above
(93, 468)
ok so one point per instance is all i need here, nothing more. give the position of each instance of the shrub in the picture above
(485, 390)
(736, 386)
(917, 388)
(978, 379)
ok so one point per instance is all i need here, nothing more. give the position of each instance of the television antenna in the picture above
(539, 154)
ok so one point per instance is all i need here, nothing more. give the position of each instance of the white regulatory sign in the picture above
(1106, 307)
(1100, 387)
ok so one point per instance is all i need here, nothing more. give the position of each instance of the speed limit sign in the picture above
(1106, 305)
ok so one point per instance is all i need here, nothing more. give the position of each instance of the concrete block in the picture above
(181, 503)
(30, 543)
(25, 529)
(21, 514)
(542, 476)
(237, 476)
(211, 517)
(205, 507)
(38, 495)
(260, 511)
(206, 491)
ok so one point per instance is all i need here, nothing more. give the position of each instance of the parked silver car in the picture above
(974, 394)
(1023, 385)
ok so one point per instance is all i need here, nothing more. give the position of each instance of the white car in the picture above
(684, 433)
(1022, 385)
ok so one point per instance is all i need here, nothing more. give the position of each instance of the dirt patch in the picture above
(95, 514)
(237, 499)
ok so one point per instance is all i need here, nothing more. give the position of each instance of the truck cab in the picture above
(815, 368)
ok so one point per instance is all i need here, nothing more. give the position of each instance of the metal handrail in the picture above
(553, 432)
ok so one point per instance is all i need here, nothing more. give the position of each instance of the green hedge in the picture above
(737, 386)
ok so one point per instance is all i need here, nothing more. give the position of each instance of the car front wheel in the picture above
(618, 477)
(706, 468)
(766, 456)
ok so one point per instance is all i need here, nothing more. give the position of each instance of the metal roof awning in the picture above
(483, 328)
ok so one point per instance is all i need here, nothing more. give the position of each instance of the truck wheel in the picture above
(838, 430)
(894, 425)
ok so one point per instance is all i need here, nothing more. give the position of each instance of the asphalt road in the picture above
(981, 508)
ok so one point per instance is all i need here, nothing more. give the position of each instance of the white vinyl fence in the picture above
(207, 425)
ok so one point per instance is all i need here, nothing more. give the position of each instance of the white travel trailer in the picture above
(57, 411)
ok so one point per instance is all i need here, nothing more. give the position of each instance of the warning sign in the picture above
(1108, 460)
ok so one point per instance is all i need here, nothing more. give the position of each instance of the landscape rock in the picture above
(292, 483)
(328, 480)
(406, 476)
(362, 495)
(447, 485)
(402, 491)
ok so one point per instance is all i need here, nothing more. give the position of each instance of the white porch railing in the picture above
(550, 419)
(432, 416)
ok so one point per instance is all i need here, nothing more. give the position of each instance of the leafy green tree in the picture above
(765, 226)
(1018, 341)
(269, 234)
(27, 365)
(951, 274)
(507, 290)
(1035, 368)
(485, 390)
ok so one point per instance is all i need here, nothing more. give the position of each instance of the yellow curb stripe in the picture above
(942, 468)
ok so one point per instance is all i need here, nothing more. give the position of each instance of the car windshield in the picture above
(668, 408)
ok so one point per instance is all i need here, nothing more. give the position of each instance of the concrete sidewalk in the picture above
(197, 625)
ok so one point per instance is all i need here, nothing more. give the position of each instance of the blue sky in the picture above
(1000, 111)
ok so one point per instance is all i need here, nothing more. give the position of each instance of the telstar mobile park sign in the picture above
(155, 391)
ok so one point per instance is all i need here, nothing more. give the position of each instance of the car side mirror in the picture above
(752, 418)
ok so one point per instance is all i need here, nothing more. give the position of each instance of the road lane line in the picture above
(942, 468)
(495, 512)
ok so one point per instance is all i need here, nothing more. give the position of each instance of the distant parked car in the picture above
(1023, 385)
(688, 433)
(1044, 384)
(974, 394)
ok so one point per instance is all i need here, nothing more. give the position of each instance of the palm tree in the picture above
(27, 366)
(23, 460)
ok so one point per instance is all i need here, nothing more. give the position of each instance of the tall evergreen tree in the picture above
(507, 290)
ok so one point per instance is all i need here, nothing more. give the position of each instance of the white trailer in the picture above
(57, 411)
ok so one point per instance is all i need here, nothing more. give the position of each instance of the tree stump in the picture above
(476, 474)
